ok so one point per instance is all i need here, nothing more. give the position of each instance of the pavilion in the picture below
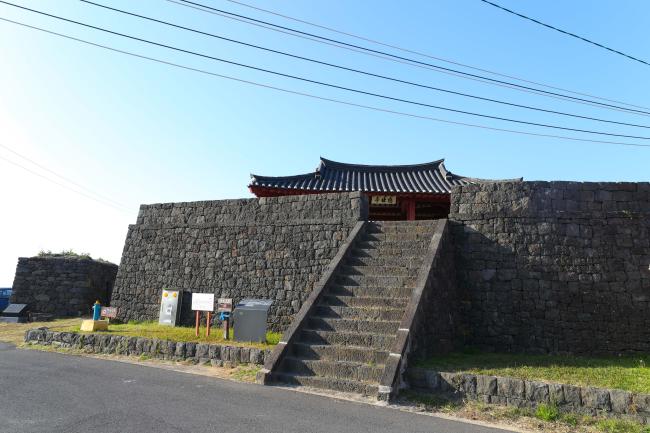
(395, 192)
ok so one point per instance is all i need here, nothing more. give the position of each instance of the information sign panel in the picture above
(202, 301)
(224, 305)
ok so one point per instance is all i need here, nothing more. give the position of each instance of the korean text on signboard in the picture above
(203, 302)
(224, 305)
(383, 200)
(110, 312)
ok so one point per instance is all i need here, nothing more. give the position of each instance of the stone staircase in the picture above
(346, 340)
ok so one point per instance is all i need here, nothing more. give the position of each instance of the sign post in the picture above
(203, 302)
(224, 306)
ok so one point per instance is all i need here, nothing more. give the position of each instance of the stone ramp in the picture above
(344, 342)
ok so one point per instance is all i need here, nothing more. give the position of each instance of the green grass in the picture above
(630, 373)
(621, 426)
(547, 412)
(178, 333)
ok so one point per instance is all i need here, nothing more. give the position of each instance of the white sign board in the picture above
(202, 301)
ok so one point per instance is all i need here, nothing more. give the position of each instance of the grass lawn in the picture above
(178, 333)
(15, 332)
(630, 373)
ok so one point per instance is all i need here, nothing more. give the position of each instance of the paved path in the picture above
(51, 392)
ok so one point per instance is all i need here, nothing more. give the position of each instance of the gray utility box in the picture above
(250, 319)
(170, 307)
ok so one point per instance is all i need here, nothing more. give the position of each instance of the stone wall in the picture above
(62, 285)
(215, 354)
(554, 266)
(529, 393)
(272, 248)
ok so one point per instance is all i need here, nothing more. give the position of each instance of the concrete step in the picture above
(389, 252)
(409, 227)
(342, 385)
(360, 313)
(364, 301)
(364, 291)
(327, 352)
(335, 369)
(349, 325)
(398, 236)
(392, 245)
(386, 261)
(375, 280)
(398, 271)
(376, 341)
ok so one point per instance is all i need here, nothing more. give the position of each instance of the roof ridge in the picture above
(330, 164)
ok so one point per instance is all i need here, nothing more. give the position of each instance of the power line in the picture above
(325, 84)
(108, 199)
(566, 33)
(188, 2)
(322, 98)
(62, 185)
(420, 53)
(409, 63)
(439, 89)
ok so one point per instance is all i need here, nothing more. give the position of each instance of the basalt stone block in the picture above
(511, 388)
(179, 350)
(595, 398)
(214, 351)
(556, 393)
(468, 385)
(255, 356)
(572, 396)
(433, 380)
(621, 401)
(190, 350)
(450, 382)
(537, 392)
(202, 351)
(486, 385)
(641, 404)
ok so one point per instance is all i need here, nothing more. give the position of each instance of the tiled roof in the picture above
(430, 177)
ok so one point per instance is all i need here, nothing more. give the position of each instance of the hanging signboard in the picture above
(202, 301)
(224, 305)
(383, 200)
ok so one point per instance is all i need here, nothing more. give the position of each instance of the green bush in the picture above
(64, 253)
(547, 412)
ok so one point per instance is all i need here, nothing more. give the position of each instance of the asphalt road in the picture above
(51, 392)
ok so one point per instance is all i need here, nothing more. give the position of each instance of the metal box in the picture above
(15, 313)
(250, 319)
(170, 307)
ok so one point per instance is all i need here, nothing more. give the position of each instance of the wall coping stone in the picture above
(516, 392)
(216, 354)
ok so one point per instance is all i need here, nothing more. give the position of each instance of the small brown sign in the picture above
(385, 200)
(224, 305)
(110, 312)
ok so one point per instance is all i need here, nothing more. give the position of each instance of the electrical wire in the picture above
(411, 83)
(325, 84)
(566, 32)
(322, 98)
(188, 2)
(415, 65)
(62, 185)
(420, 53)
(78, 185)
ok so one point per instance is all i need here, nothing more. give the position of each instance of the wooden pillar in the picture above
(410, 210)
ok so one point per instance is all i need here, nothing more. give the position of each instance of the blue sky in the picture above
(140, 132)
